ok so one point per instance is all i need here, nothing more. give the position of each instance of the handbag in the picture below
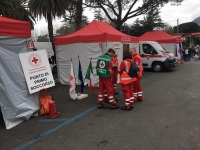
(44, 99)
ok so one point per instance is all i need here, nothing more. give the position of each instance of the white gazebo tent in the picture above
(89, 42)
(16, 104)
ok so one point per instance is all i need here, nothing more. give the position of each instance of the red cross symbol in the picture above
(35, 60)
(71, 78)
(102, 64)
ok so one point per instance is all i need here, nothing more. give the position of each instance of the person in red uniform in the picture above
(126, 81)
(114, 62)
(137, 85)
(104, 71)
(115, 72)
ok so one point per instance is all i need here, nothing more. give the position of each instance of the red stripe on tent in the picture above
(12, 27)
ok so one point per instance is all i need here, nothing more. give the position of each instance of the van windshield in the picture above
(160, 48)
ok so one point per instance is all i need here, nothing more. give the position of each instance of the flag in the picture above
(80, 75)
(90, 76)
(72, 90)
(178, 52)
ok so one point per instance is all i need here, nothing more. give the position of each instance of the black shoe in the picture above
(116, 93)
(126, 108)
(114, 106)
(100, 106)
(132, 107)
(106, 101)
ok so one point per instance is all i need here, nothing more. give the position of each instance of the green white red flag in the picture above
(90, 76)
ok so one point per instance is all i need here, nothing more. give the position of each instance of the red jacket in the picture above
(124, 68)
(138, 60)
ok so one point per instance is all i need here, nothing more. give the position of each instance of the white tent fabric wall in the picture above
(16, 103)
(85, 51)
(45, 45)
(171, 47)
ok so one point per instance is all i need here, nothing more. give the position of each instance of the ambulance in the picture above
(155, 57)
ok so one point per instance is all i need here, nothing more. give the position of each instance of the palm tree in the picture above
(16, 9)
(49, 9)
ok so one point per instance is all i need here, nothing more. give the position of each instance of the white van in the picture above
(155, 57)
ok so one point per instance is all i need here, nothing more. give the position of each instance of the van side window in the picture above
(148, 49)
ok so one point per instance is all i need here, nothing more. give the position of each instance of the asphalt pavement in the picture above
(167, 119)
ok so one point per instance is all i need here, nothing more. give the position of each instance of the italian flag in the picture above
(90, 76)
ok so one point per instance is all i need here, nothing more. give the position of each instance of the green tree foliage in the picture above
(42, 38)
(78, 12)
(150, 22)
(70, 15)
(16, 9)
(168, 29)
(98, 15)
(69, 26)
(136, 29)
(114, 8)
(49, 9)
(187, 27)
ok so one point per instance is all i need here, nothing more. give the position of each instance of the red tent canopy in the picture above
(12, 27)
(159, 36)
(96, 31)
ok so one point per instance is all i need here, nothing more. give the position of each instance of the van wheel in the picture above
(157, 67)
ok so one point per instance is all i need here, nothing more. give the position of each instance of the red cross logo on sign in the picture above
(35, 60)
(102, 64)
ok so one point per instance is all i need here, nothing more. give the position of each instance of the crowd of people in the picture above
(108, 70)
(191, 53)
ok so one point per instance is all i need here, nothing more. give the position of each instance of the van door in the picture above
(147, 52)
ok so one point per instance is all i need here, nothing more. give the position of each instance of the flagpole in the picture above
(74, 73)
(88, 65)
(80, 78)
(78, 94)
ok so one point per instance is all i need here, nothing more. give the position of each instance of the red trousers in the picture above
(127, 89)
(137, 89)
(114, 80)
(106, 84)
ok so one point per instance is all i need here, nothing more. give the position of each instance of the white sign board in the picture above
(116, 45)
(37, 70)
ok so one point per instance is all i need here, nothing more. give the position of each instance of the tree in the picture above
(48, 9)
(69, 26)
(16, 9)
(42, 38)
(78, 12)
(114, 9)
(168, 29)
(136, 29)
(150, 22)
(98, 16)
(187, 27)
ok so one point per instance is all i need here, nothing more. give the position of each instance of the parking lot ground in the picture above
(167, 119)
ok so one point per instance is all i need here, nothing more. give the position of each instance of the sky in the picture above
(186, 12)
